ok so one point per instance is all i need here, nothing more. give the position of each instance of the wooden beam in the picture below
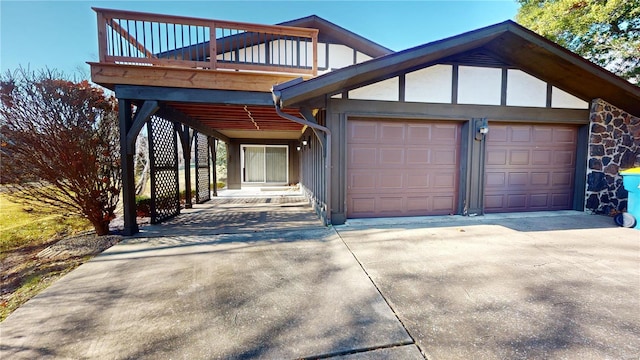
(380, 109)
(177, 115)
(143, 114)
(127, 164)
(185, 95)
(110, 75)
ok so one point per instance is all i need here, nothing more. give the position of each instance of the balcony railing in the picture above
(135, 38)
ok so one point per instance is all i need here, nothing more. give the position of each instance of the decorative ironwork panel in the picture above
(203, 175)
(163, 156)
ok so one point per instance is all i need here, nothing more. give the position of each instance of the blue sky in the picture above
(62, 35)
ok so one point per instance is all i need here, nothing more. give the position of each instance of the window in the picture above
(265, 164)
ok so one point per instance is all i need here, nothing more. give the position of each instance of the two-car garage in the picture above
(413, 167)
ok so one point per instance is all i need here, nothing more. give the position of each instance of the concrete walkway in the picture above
(210, 285)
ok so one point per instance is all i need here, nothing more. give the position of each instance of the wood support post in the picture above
(186, 135)
(128, 175)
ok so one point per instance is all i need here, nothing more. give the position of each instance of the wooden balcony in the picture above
(173, 51)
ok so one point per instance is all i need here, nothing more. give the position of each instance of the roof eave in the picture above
(564, 69)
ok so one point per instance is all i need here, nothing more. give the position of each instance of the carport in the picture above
(194, 82)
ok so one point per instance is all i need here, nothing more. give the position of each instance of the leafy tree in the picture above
(221, 161)
(60, 145)
(607, 32)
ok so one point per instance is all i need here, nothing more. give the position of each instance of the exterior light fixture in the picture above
(305, 142)
(298, 147)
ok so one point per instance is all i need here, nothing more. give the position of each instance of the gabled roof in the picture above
(332, 33)
(506, 41)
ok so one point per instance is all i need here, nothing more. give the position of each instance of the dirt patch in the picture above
(28, 270)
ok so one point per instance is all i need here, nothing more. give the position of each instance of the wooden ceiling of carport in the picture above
(238, 117)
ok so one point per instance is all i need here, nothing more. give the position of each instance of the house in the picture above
(494, 120)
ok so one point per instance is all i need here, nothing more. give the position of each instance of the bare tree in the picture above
(60, 145)
(142, 164)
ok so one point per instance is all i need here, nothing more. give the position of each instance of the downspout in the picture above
(327, 147)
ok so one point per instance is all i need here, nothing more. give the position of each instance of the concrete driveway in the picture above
(530, 286)
(547, 286)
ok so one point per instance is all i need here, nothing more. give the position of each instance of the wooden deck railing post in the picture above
(213, 52)
(102, 37)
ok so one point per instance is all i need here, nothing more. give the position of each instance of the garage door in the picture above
(401, 168)
(529, 167)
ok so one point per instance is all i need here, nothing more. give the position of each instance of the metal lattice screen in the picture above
(203, 175)
(163, 156)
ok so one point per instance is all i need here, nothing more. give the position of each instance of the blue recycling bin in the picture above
(631, 183)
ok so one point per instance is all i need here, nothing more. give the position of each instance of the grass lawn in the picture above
(23, 234)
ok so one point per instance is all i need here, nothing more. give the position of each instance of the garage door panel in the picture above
(565, 136)
(519, 157)
(516, 202)
(362, 181)
(390, 181)
(389, 203)
(495, 179)
(497, 135)
(496, 157)
(364, 205)
(415, 172)
(363, 156)
(445, 157)
(391, 157)
(418, 204)
(543, 134)
(562, 178)
(443, 204)
(443, 133)
(564, 158)
(363, 133)
(418, 133)
(418, 179)
(540, 178)
(392, 134)
(520, 134)
(518, 179)
(444, 181)
(539, 171)
(542, 157)
(539, 200)
(418, 156)
(560, 201)
(493, 202)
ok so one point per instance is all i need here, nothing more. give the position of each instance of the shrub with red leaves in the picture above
(60, 145)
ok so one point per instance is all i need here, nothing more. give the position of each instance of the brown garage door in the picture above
(401, 168)
(529, 167)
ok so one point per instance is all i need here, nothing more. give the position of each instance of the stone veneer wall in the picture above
(614, 145)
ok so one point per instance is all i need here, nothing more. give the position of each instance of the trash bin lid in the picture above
(632, 171)
(625, 220)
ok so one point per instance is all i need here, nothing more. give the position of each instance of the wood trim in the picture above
(409, 110)
(109, 75)
(549, 101)
(102, 38)
(454, 84)
(503, 87)
(202, 96)
(213, 52)
(314, 41)
(143, 16)
(155, 61)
